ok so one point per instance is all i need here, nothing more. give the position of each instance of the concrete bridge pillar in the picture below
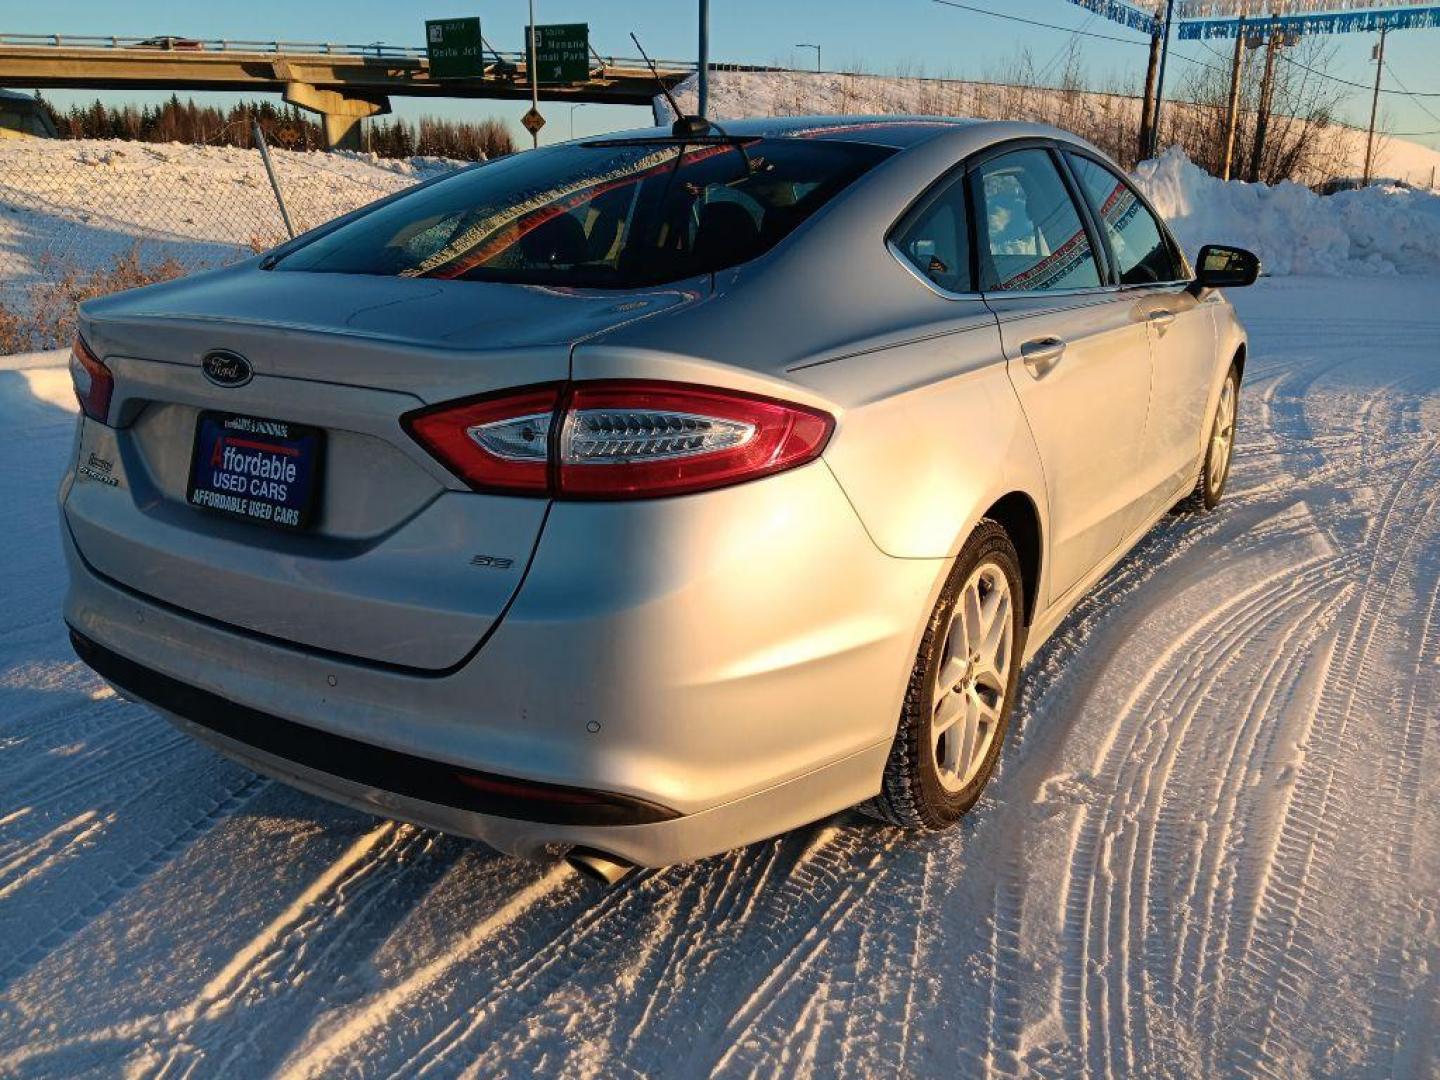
(341, 113)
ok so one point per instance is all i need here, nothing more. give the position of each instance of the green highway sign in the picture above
(562, 52)
(454, 48)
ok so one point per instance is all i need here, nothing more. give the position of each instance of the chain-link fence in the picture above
(82, 218)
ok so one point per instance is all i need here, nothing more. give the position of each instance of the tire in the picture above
(917, 790)
(1215, 469)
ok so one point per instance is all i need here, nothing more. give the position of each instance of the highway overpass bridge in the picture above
(343, 83)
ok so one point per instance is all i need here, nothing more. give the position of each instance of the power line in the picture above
(1192, 60)
(1187, 59)
(1347, 82)
(1067, 46)
(1035, 22)
(1325, 74)
(1075, 32)
(1413, 97)
(1198, 63)
(1393, 134)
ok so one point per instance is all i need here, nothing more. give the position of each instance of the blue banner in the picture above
(1122, 13)
(1338, 22)
(1186, 10)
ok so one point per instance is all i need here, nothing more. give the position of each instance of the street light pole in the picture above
(576, 105)
(702, 87)
(534, 77)
(806, 45)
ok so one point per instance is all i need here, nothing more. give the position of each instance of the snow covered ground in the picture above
(1213, 848)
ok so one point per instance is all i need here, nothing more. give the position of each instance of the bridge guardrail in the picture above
(378, 49)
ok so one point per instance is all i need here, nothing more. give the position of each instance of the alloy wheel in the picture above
(972, 677)
(1222, 438)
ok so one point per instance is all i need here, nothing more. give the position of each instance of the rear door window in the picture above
(1032, 238)
(1142, 254)
(618, 214)
(936, 240)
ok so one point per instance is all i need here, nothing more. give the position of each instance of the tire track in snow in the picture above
(60, 843)
(1197, 971)
(1246, 498)
(1048, 676)
(1273, 640)
(111, 761)
(220, 991)
(762, 937)
(321, 1057)
(1145, 858)
(1281, 936)
(1400, 786)
(1210, 858)
(859, 951)
(312, 933)
(1093, 1000)
(46, 940)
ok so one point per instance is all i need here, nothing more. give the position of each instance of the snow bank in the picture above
(1294, 231)
(80, 204)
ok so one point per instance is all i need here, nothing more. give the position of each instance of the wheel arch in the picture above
(1018, 515)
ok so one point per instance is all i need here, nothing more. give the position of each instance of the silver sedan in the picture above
(638, 498)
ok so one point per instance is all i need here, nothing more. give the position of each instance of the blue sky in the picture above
(874, 36)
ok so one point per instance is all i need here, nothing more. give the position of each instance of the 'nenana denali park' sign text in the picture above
(454, 48)
(562, 52)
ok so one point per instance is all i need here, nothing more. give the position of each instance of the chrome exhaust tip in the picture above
(597, 866)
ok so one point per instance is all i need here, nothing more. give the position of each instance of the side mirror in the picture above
(1224, 267)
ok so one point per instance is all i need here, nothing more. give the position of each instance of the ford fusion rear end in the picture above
(353, 516)
(650, 496)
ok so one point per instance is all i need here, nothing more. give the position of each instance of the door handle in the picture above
(1042, 354)
(1161, 319)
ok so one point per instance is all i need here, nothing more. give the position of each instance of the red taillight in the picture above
(94, 384)
(634, 440)
(499, 442)
(620, 439)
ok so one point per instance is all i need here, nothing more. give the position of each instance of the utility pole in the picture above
(1379, 57)
(804, 45)
(703, 62)
(1147, 104)
(1262, 117)
(534, 78)
(1160, 78)
(1232, 115)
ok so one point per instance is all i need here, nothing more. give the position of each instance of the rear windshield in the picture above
(601, 215)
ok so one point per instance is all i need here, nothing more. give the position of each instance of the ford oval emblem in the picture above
(226, 368)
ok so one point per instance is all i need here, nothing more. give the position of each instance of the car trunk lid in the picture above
(402, 564)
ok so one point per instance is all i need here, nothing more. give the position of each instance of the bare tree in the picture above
(1303, 140)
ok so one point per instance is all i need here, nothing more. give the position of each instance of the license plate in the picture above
(263, 471)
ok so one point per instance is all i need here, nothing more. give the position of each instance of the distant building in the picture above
(22, 117)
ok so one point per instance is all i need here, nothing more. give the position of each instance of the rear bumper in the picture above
(733, 665)
(519, 817)
(363, 765)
